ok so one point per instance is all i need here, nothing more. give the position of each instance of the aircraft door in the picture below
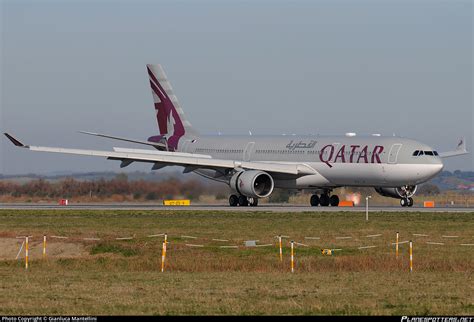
(393, 154)
(248, 151)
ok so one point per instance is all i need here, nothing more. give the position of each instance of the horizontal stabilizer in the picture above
(156, 145)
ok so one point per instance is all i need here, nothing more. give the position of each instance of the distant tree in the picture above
(280, 195)
(151, 196)
(121, 177)
(428, 189)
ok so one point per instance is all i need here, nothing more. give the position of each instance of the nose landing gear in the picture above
(406, 202)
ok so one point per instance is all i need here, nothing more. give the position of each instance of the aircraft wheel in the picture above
(253, 202)
(233, 200)
(334, 200)
(324, 200)
(314, 201)
(403, 202)
(410, 202)
(243, 201)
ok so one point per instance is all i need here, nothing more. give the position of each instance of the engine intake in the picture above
(398, 192)
(252, 183)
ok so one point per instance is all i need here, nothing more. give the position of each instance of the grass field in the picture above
(109, 276)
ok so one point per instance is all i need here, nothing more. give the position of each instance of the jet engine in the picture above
(252, 183)
(398, 192)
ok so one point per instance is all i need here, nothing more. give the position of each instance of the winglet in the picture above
(15, 141)
(460, 150)
(461, 145)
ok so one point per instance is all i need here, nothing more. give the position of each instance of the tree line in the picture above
(101, 188)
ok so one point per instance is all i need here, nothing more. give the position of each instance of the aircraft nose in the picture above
(436, 168)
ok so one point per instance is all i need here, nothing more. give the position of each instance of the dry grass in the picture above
(123, 277)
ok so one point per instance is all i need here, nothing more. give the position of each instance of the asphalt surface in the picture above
(266, 207)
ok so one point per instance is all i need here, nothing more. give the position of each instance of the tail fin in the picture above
(169, 115)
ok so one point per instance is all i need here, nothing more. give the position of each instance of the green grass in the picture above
(124, 277)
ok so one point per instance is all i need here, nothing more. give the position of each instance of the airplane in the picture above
(253, 165)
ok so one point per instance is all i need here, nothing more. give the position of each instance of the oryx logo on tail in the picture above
(169, 115)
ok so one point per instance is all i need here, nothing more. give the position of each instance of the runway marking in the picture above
(420, 235)
(91, 238)
(300, 244)
(228, 246)
(20, 250)
(348, 237)
(402, 242)
(312, 238)
(157, 235)
(467, 244)
(371, 236)
(221, 240)
(434, 243)
(450, 236)
(193, 245)
(265, 245)
(59, 237)
(123, 238)
(365, 247)
(188, 237)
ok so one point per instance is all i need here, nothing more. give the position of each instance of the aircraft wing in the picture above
(161, 158)
(460, 150)
(158, 146)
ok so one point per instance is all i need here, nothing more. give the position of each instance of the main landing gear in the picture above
(242, 201)
(406, 202)
(324, 200)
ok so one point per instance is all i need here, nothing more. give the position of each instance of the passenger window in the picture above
(416, 153)
(428, 152)
(435, 153)
(421, 153)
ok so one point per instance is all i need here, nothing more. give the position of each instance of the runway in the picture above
(223, 207)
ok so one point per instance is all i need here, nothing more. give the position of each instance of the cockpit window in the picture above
(418, 153)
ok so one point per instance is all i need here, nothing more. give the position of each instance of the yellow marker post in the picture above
(411, 256)
(26, 254)
(281, 251)
(44, 246)
(292, 258)
(163, 256)
(166, 238)
(396, 247)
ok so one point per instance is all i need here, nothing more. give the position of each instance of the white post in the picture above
(292, 258)
(367, 208)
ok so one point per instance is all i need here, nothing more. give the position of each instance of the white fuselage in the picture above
(338, 160)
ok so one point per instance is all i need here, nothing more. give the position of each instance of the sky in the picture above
(269, 67)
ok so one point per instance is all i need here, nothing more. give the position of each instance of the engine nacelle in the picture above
(398, 192)
(252, 183)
